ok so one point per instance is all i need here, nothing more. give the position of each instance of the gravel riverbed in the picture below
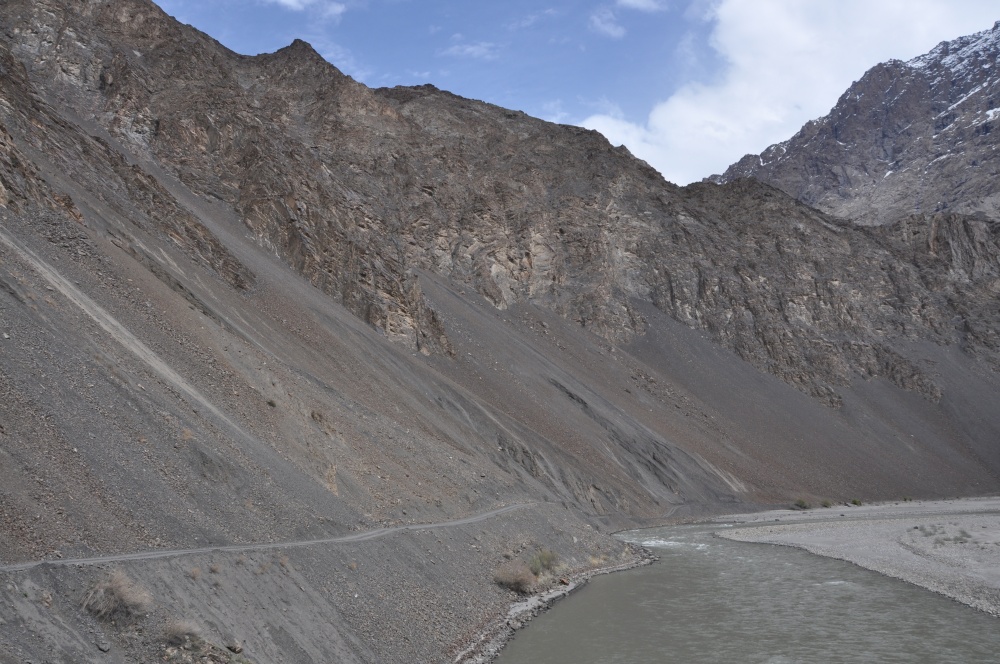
(951, 547)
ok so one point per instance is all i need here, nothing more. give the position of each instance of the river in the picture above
(714, 600)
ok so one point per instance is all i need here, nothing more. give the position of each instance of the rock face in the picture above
(355, 188)
(909, 138)
(247, 300)
(910, 148)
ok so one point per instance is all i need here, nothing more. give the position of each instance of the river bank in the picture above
(710, 600)
(491, 640)
(951, 547)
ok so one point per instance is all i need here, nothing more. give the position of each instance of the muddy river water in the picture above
(714, 600)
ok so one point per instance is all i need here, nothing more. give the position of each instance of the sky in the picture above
(690, 86)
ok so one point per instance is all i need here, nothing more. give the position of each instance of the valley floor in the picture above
(951, 547)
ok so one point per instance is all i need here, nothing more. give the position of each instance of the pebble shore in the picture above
(950, 547)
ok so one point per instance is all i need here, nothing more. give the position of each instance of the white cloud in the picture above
(333, 9)
(479, 50)
(325, 8)
(531, 19)
(786, 62)
(643, 5)
(603, 20)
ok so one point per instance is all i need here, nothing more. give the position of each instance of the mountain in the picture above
(257, 315)
(909, 138)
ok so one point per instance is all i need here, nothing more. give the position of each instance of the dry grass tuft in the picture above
(182, 632)
(117, 596)
(194, 573)
(516, 576)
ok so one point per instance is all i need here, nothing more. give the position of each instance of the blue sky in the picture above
(688, 85)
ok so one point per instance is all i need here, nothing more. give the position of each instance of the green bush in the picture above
(544, 560)
(801, 504)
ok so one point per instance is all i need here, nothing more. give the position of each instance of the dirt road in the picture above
(264, 546)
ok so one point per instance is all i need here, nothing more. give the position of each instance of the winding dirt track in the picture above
(118, 332)
(340, 539)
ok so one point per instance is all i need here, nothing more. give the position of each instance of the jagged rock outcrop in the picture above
(914, 137)
(356, 188)
(122, 187)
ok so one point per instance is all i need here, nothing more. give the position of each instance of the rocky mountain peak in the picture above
(907, 138)
(301, 54)
(963, 55)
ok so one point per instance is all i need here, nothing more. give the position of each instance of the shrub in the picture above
(801, 504)
(117, 596)
(181, 632)
(856, 502)
(544, 560)
(516, 576)
(826, 503)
